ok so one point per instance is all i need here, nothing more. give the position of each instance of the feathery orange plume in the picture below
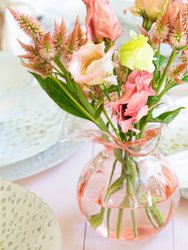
(161, 30)
(184, 56)
(60, 35)
(178, 33)
(29, 25)
(177, 72)
(47, 47)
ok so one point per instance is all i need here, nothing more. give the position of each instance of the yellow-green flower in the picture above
(137, 53)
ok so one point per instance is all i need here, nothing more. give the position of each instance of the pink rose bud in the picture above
(101, 21)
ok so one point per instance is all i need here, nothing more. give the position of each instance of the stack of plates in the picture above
(29, 123)
(175, 136)
(29, 137)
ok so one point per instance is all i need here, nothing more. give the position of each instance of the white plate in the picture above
(30, 128)
(174, 138)
(25, 221)
(39, 163)
(48, 158)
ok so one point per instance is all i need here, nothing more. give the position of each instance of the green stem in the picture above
(109, 209)
(159, 49)
(164, 90)
(108, 221)
(119, 89)
(112, 173)
(59, 72)
(157, 215)
(120, 216)
(165, 72)
(147, 209)
(111, 123)
(147, 23)
(134, 223)
(130, 182)
(61, 66)
(105, 92)
(100, 124)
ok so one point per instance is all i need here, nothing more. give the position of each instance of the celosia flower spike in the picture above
(81, 36)
(177, 73)
(32, 54)
(76, 38)
(47, 47)
(42, 69)
(29, 25)
(178, 34)
(66, 44)
(184, 56)
(60, 35)
(161, 30)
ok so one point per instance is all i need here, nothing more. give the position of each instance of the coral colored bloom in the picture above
(178, 15)
(171, 28)
(91, 66)
(137, 53)
(101, 21)
(131, 107)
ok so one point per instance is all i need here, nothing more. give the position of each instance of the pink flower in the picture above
(131, 107)
(101, 21)
(91, 66)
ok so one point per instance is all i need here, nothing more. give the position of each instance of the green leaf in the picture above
(96, 220)
(118, 155)
(152, 100)
(59, 96)
(118, 184)
(160, 61)
(185, 77)
(156, 77)
(112, 88)
(84, 100)
(181, 48)
(167, 117)
(99, 111)
(126, 201)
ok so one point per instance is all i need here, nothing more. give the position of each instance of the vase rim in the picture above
(112, 142)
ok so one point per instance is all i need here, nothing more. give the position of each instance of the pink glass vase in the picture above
(127, 196)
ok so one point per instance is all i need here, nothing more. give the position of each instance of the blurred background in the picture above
(48, 11)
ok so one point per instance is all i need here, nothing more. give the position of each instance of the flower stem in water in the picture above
(149, 215)
(134, 223)
(120, 216)
(108, 221)
(157, 214)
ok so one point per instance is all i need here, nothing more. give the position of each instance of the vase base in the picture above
(143, 234)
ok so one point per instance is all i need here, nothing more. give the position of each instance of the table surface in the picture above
(57, 187)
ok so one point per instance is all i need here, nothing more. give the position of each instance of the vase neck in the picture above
(137, 147)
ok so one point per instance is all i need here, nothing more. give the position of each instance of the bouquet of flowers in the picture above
(117, 89)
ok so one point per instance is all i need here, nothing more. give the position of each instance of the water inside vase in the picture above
(149, 211)
(144, 227)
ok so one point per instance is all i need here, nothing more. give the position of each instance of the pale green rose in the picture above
(137, 53)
